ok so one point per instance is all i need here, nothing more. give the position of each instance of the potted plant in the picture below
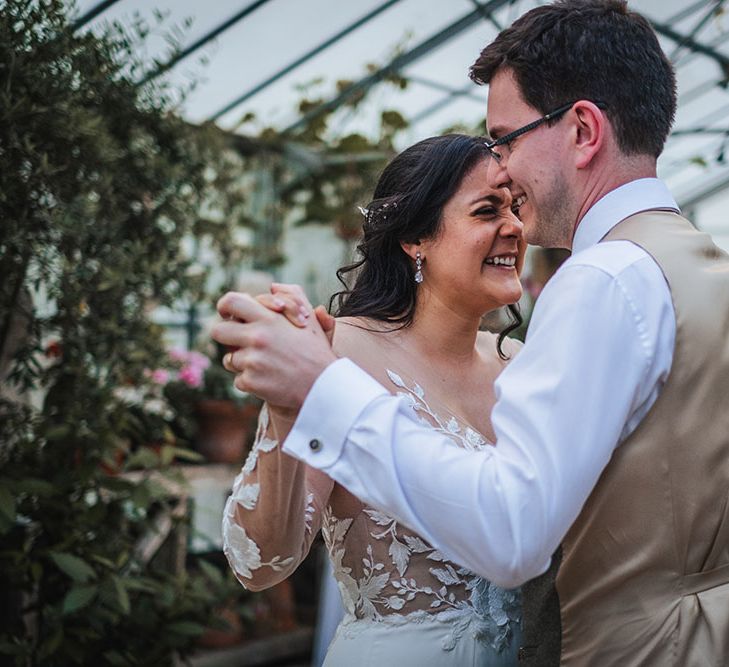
(204, 406)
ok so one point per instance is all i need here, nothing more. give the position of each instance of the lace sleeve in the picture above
(273, 513)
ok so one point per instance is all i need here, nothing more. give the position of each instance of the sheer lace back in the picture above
(385, 572)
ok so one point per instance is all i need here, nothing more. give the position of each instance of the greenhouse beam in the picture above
(694, 46)
(436, 85)
(81, 21)
(695, 30)
(398, 63)
(300, 61)
(487, 14)
(161, 69)
(444, 102)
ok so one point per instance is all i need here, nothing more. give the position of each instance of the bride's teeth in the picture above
(501, 261)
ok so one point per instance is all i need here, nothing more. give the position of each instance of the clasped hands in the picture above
(271, 358)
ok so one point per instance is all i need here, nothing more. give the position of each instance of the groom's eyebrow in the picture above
(495, 132)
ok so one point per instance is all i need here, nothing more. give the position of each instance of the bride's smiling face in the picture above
(474, 260)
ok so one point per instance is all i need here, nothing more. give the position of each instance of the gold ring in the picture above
(228, 360)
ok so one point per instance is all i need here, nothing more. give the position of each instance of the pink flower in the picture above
(197, 360)
(192, 376)
(176, 354)
(160, 376)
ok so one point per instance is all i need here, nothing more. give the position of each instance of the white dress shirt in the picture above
(598, 351)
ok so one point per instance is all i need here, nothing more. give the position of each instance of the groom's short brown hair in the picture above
(590, 49)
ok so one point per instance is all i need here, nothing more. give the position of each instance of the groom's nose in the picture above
(496, 175)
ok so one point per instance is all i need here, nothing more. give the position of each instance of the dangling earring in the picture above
(418, 268)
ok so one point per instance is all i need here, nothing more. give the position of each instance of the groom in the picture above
(610, 474)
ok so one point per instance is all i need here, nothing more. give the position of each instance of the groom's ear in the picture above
(590, 125)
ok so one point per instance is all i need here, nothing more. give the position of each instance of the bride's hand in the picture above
(272, 359)
(288, 306)
(291, 301)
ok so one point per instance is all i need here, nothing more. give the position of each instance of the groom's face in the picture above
(532, 166)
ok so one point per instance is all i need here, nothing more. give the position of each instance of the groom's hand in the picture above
(271, 358)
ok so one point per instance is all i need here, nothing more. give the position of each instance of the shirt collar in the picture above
(641, 195)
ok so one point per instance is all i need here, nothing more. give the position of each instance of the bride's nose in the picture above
(512, 227)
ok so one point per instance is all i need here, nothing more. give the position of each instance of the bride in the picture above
(440, 248)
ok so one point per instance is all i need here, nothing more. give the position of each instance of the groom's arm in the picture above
(599, 347)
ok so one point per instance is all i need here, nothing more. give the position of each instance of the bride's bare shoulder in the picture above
(352, 334)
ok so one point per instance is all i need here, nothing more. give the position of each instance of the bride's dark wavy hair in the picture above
(407, 207)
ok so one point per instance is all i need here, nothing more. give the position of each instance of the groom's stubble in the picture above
(554, 216)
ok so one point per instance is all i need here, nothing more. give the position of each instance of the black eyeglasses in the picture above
(508, 138)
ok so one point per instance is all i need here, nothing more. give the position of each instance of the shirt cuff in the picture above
(333, 404)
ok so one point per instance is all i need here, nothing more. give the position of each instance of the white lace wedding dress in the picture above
(405, 604)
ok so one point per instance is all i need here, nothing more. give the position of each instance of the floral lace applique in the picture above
(309, 511)
(242, 552)
(385, 573)
(262, 444)
(487, 611)
(467, 437)
(404, 579)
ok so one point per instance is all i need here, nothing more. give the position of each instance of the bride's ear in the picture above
(411, 249)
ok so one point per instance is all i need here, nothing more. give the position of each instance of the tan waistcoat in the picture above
(644, 574)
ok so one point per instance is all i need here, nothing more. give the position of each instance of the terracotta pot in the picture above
(215, 638)
(225, 430)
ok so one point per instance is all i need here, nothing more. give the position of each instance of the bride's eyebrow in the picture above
(494, 199)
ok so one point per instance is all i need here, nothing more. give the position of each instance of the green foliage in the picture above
(99, 183)
(322, 175)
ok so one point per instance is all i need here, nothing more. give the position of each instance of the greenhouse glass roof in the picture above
(254, 57)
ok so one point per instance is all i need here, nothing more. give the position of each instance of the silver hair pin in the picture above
(380, 213)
